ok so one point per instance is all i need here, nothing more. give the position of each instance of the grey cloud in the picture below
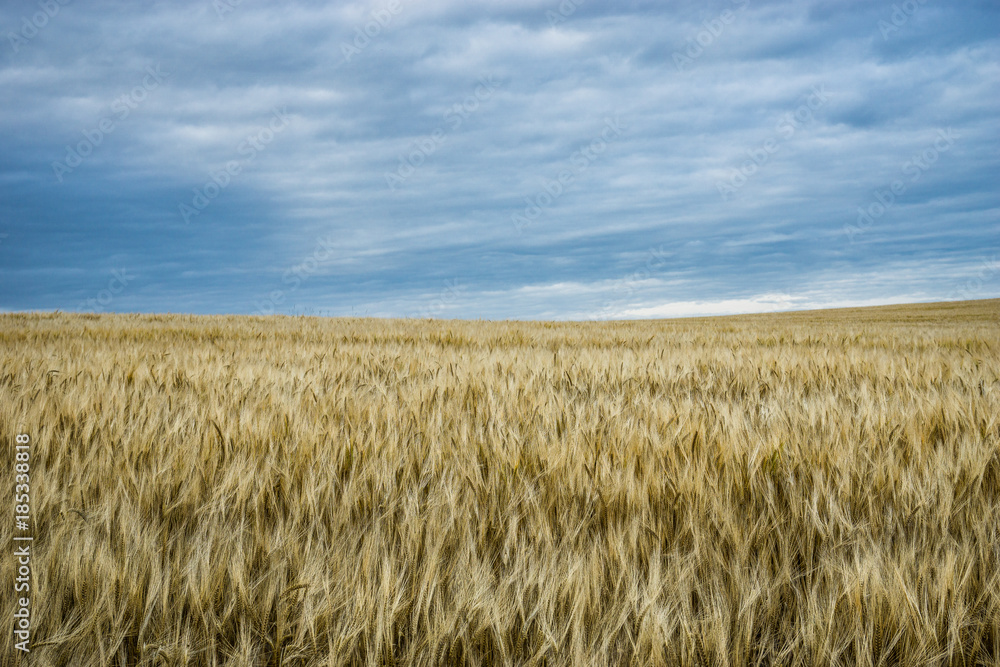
(351, 121)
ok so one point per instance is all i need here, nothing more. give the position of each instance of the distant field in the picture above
(801, 489)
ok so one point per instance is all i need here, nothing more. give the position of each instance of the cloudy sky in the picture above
(497, 158)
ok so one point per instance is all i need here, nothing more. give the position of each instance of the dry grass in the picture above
(802, 489)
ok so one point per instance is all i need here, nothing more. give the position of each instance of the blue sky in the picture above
(497, 159)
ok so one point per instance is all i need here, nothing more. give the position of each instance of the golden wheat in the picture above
(800, 489)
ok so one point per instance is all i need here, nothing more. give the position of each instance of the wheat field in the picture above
(818, 488)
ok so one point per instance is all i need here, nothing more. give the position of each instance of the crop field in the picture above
(815, 488)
